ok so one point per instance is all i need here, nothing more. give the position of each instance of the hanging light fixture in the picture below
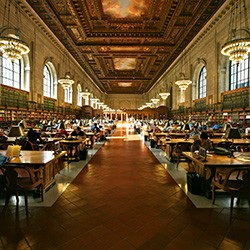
(66, 81)
(164, 95)
(154, 100)
(10, 43)
(85, 94)
(183, 83)
(238, 45)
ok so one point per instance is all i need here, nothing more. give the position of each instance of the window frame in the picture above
(11, 72)
(47, 85)
(239, 74)
(202, 83)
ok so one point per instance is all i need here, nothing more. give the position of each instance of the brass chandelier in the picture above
(238, 45)
(10, 43)
(183, 83)
(66, 81)
(164, 95)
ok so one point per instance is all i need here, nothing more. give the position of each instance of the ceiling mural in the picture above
(124, 63)
(125, 45)
(123, 8)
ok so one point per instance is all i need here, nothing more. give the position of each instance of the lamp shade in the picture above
(186, 127)
(16, 131)
(226, 126)
(233, 133)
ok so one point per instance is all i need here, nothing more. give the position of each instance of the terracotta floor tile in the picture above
(124, 199)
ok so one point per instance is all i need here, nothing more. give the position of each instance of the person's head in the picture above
(78, 129)
(204, 136)
(195, 128)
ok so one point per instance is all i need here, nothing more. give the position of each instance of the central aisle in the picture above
(127, 194)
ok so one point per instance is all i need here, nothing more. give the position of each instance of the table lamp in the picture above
(226, 126)
(186, 127)
(233, 133)
(16, 131)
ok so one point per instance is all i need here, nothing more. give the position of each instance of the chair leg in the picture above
(26, 202)
(7, 198)
(17, 197)
(213, 194)
(177, 162)
(41, 188)
(232, 205)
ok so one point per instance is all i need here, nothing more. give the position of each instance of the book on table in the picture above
(13, 151)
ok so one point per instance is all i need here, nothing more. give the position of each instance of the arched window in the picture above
(79, 96)
(10, 72)
(68, 92)
(239, 74)
(202, 83)
(49, 80)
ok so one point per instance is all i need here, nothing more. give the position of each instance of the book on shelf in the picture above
(13, 151)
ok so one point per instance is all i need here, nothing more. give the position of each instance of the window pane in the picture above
(47, 82)
(11, 72)
(202, 85)
(239, 74)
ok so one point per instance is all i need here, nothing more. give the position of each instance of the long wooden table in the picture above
(208, 168)
(169, 144)
(38, 159)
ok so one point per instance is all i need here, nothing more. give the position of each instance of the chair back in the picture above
(184, 146)
(11, 177)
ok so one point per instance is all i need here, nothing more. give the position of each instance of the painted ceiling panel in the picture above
(125, 41)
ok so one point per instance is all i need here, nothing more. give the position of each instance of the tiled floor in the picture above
(124, 199)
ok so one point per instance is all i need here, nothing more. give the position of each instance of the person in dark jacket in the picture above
(33, 136)
(78, 132)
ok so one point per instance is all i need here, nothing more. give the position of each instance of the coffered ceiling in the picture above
(125, 45)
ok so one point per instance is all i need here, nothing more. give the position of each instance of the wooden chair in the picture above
(22, 180)
(178, 149)
(236, 181)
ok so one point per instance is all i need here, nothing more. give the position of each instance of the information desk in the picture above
(208, 168)
(46, 160)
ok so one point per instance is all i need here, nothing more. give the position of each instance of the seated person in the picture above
(95, 128)
(33, 136)
(216, 126)
(78, 132)
(97, 131)
(4, 159)
(194, 132)
(204, 142)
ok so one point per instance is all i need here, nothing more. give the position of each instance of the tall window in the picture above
(239, 74)
(68, 94)
(202, 85)
(47, 82)
(10, 73)
(79, 96)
